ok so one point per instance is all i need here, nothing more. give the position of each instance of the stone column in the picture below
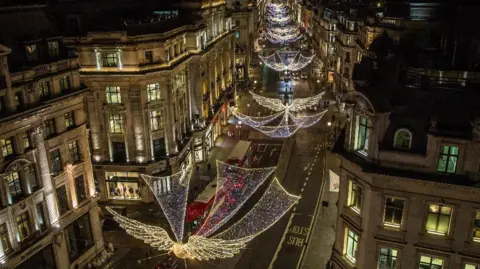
(170, 142)
(137, 123)
(70, 183)
(48, 186)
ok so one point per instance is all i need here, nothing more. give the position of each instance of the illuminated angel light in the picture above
(283, 39)
(284, 30)
(286, 60)
(280, 19)
(234, 188)
(294, 116)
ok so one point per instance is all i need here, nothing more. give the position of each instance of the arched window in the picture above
(403, 139)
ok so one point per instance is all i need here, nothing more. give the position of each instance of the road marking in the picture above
(281, 241)
(309, 172)
(306, 179)
(301, 190)
(304, 183)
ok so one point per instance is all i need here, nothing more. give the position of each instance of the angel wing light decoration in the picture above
(235, 185)
(287, 60)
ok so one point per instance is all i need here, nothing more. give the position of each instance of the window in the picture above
(53, 48)
(362, 135)
(56, 161)
(69, 120)
(387, 258)
(156, 120)
(472, 266)
(80, 189)
(403, 139)
(351, 245)
(74, 152)
(6, 145)
(64, 83)
(159, 148)
(116, 124)
(347, 57)
(354, 196)
(19, 99)
(110, 60)
(476, 227)
(394, 208)
(32, 176)
(123, 185)
(119, 153)
(427, 262)
(237, 34)
(447, 162)
(43, 89)
(26, 140)
(49, 127)
(6, 246)
(78, 237)
(31, 52)
(438, 220)
(42, 222)
(14, 185)
(23, 225)
(148, 56)
(153, 92)
(62, 200)
(113, 95)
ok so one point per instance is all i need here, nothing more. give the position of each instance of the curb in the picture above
(284, 160)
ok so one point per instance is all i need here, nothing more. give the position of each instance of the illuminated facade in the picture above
(157, 95)
(49, 214)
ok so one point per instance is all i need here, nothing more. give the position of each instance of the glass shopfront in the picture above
(123, 185)
(43, 259)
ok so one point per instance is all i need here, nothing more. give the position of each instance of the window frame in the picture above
(156, 120)
(55, 158)
(355, 198)
(153, 92)
(24, 221)
(7, 146)
(362, 148)
(50, 127)
(356, 239)
(110, 59)
(15, 184)
(391, 224)
(149, 59)
(64, 83)
(63, 199)
(476, 227)
(438, 215)
(113, 94)
(395, 137)
(74, 151)
(116, 128)
(80, 188)
(390, 250)
(448, 155)
(69, 119)
(31, 55)
(5, 237)
(53, 48)
(432, 257)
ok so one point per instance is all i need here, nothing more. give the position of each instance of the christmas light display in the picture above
(288, 60)
(171, 193)
(280, 19)
(283, 38)
(235, 186)
(293, 118)
(284, 30)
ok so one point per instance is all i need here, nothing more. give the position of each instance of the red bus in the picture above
(198, 210)
(240, 154)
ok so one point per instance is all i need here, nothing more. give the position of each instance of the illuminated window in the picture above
(64, 83)
(6, 145)
(447, 163)
(362, 135)
(394, 209)
(43, 89)
(428, 262)
(237, 34)
(113, 95)
(62, 200)
(26, 140)
(110, 59)
(387, 258)
(31, 52)
(14, 185)
(438, 220)
(49, 127)
(156, 120)
(351, 245)
(56, 161)
(153, 92)
(5, 239)
(53, 49)
(403, 139)
(472, 266)
(476, 227)
(116, 124)
(354, 196)
(24, 226)
(69, 120)
(74, 152)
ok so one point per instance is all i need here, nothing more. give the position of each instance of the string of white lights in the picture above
(283, 40)
(306, 121)
(299, 104)
(274, 104)
(235, 185)
(256, 121)
(289, 60)
(171, 193)
(284, 30)
(275, 202)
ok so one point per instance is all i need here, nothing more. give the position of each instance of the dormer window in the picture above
(53, 49)
(403, 139)
(31, 52)
(447, 162)
(361, 135)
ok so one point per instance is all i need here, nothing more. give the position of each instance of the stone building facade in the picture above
(49, 215)
(157, 99)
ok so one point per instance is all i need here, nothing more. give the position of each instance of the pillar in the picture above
(48, 187)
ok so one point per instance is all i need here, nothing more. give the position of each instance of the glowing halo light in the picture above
(273, 204)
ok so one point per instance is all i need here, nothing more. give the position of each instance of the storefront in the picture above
(123, 185)
(44, 259)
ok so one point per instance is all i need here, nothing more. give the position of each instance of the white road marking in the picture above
(309, 172)
(304, 183)
(281, 241)
(302, 190)
(306, 179)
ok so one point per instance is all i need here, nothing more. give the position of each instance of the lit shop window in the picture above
(123, 185)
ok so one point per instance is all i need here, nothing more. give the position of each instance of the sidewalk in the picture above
(320, 243)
